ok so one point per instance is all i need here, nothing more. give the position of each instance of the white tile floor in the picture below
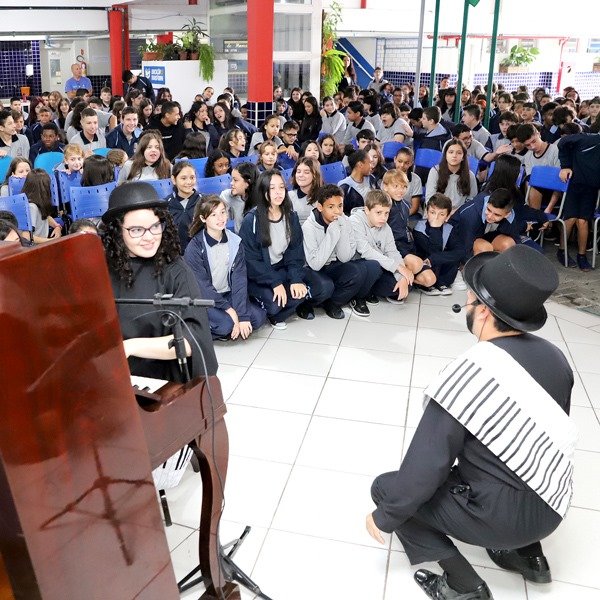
(316, 411)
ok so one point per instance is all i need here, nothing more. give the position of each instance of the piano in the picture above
(80, 516)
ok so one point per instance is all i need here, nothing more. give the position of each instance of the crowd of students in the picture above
(268, 248)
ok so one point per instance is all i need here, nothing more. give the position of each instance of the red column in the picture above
(118, 29)
(261, 19)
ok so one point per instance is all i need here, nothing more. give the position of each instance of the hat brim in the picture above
(471, 272)
(111, 213)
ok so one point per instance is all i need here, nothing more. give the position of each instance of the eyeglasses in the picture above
(138, 232)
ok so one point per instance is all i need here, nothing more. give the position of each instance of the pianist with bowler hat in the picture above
(491, 461)
(143, 256)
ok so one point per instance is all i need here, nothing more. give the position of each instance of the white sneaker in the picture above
(280, 325)
(395, 301)
(444, 290)
(459, 283)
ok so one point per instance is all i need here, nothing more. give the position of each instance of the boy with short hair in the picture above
(505, 120)
(437, 242)
(329, 247)
(289, 137)
(360, 181)
(90, 137)
(126, 135)
(395, 185)
(49, 142)
(529, 113)
(375, 241)
(44, 117)
(504, 104)
(363, 139)
(472, 119)
(519, 149)
(356, 121)
(435, 135)
(488, 224)
(550, 132)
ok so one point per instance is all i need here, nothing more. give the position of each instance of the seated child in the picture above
(395, 184)
(329, 248)
(19, 167)
(216, 257)
(240, 196)
(437, 242)
(83, 226)
(37, 190)
(375, 241)
(49, 142)
(359, 182)
(488, 224)
(267, 156)
(404, 161)
(182, 201)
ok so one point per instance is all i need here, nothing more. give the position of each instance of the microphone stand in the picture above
(231, 571)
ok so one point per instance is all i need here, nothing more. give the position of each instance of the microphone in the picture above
(456, 308)
(166, 300)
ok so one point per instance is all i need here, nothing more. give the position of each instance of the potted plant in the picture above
(518, 59)
(192, 42)
(332, 60)
(172, 51)
(152, 51)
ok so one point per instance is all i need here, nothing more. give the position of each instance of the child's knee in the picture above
(480, 245)
(426, 278)
(502, 243)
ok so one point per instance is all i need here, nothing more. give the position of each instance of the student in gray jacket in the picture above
(329, 247)
(375, 241)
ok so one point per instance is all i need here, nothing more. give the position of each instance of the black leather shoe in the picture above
(305, 311)
(533, 568)
(436, 587)
(333, 311)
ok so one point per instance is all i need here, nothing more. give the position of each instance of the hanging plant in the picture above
(206, 62)
(332, 61)
(191, 42)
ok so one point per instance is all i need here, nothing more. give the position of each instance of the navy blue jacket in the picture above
(398, 221)
(196, 256)
(260, 270)
(182, 216)
(116, 139)
(39, 148)
(440, 247)
(581, 153)
(472, 223)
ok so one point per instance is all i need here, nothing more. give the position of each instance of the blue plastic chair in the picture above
(547, 178)
(65, 182)
(4, 164)
(390, 149)
(163, 187)
(333, 172)
(287, 177)
(427, 158)
(214, 185)
(199, 164)
(284, 162)
(18, 205)
(101, 151)
(90, 202)
(48, 161)
(473, 164)
(242, 159)
(15, 185)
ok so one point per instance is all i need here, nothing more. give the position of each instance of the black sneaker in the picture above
(560, 256)
(428, 290)
(333, 311)
(372, 299)
(583, 264)
(360, 308)
(305, 311)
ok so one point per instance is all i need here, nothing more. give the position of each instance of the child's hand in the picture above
(402, 288)
(406, 273)
(298, 290)
(565, 175)
(373, 530)
(280, 295)
(245, 328)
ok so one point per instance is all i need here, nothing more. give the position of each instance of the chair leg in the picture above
(564, 236)
(595, 243)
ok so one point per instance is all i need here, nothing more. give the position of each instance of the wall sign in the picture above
(156, 75)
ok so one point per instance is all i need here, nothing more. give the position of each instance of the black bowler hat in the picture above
(513, 284)
(132, 196)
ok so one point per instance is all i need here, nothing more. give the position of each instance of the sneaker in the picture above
(333, 311)
(372, 299)
(459, 283)
(583, 264)
(395, 301)
(280, 325)
(444, 290)
(359, 307)
(560, 255)
(428, 291)
(305, 311)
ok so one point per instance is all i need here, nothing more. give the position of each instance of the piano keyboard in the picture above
(147, 384)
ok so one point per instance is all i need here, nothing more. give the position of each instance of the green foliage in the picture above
(171, 51)
(150, 47)
(330, 22)
(520, 56)
(193, 33)
(206, 62)
(332, 70)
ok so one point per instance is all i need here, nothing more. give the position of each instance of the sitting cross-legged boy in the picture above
(329, 247)
(489, 224)
(375, 241)
(395, 184)
(437, 242)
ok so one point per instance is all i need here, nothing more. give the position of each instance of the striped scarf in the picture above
(515, 418)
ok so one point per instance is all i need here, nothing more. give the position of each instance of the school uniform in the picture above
(498, 140)
(300, 203)
(415, 187)
(220, 270)
(19, 146)
(310, 128)
(377, 244)
(399, 126)
(173, 136)
(258, 138)
(334, 124)
(434, 139)
(442, 246)
(282, 263)
(550, 134)
(353, 129)
(398, 222)
(355, 192)
(117, 139)
(182, 211)
(98, 141)
(482, 135)
(457, 196)
(39, 148)
(549, 157)
(329, 250)
(235, 208)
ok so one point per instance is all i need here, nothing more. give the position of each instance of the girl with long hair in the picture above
(198, 120)
(329, 150)
(145, 112)
(218, 164)
(311, 149)
(269, 132)
(267, 156)
(182, 202)
(63, 109)
(306, 180)
(223, 121)
(240, 197)
(447, 103)
(149, 160)
(216, 257)
(312, 122)
(233, 143)
(452, 177)
(37, 190)
(19, 167)
(194, 146)
(97, 170)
